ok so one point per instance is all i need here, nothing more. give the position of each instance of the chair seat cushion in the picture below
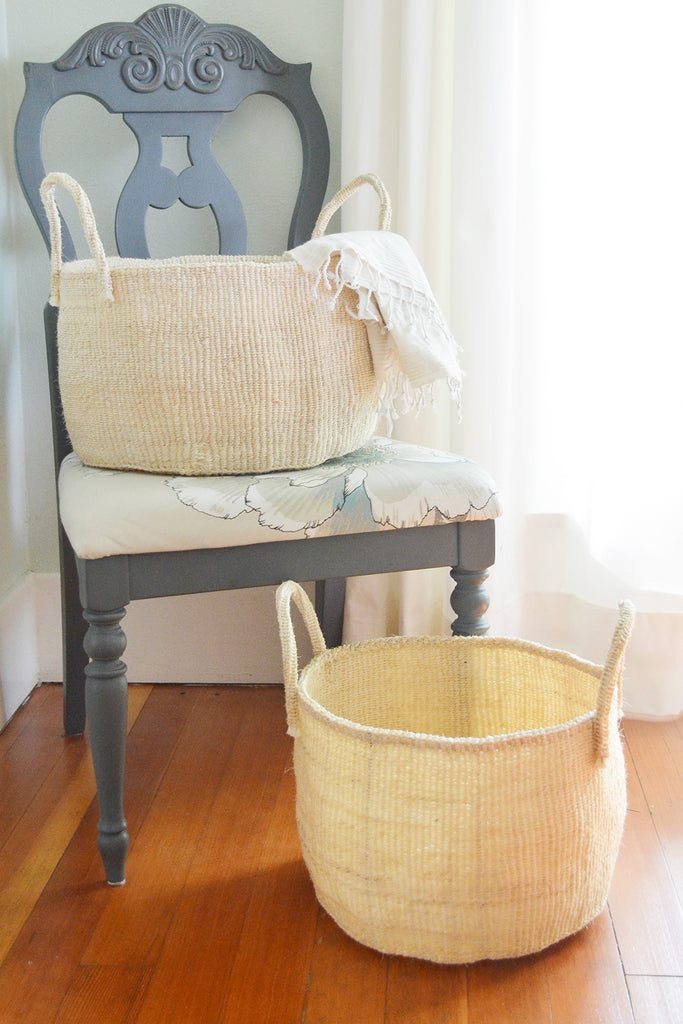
(387, 484)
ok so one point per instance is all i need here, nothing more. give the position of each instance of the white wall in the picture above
(228, 637)
(18, 656)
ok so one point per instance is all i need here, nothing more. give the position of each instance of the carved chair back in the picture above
(170, 75)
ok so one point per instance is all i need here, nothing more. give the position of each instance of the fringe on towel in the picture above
(410, 342)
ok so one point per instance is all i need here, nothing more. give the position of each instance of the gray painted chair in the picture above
(171, 75)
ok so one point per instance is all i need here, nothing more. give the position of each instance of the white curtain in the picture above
(534, 153)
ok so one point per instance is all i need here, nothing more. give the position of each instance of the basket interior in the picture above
(452, 687)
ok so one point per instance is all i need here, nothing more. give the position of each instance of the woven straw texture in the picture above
(204, 365)
(457, 798)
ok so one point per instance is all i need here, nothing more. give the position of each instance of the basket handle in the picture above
(287, 592)
(345, 193)
(610, 681)
(87, 218)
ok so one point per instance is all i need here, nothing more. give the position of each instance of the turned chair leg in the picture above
(469, 601)
(106, 691)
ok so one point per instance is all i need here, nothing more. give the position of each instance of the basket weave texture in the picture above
(205, 365)
(457, 798)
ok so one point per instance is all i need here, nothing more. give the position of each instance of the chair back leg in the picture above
(469, 601)
(329, 608)
(74, 626)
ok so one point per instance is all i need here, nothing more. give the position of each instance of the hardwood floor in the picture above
(218, 921)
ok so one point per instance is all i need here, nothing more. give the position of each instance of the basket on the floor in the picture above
(458, 798)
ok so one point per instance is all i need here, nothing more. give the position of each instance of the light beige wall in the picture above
(77, 136)
(18, 664)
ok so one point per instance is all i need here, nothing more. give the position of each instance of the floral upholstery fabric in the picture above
(387, 484)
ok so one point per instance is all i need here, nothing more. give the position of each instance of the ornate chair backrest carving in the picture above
(170, 74)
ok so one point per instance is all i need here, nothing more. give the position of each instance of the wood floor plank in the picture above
(508, 991)
(39, 839)
(423, 993)
(40, 967)
(585, 980)
(656, 1000)
(43, 962)
(25, 715)
(270, 974)
(657, 749)
(348, 982)
(647, 914)
(134, 925)
(73, 769)
(103, 995)
(191, 978)
(33, 737)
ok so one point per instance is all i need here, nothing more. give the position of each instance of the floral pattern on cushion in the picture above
(384, 484)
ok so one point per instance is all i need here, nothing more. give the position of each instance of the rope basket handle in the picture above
(87, 218)
(345, 193)
(287, 592)
(611, 681)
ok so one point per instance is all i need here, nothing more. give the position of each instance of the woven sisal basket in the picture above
(458, 798)
(206, 364)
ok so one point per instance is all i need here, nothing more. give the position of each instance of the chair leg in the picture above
(469, 601)
(73, 635)
(107, 705)
(329, 607)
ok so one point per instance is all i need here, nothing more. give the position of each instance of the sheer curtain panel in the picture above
(534, 156)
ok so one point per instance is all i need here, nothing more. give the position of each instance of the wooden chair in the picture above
(172, 75)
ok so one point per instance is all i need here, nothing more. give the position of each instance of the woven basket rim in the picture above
(376, 734)
(118, 264)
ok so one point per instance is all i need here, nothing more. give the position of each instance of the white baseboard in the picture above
(19, 661)
(226, 637)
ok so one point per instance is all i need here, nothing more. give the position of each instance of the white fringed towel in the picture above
(411, 344)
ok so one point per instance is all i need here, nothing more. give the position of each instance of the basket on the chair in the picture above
(207, 364)
(458, 798)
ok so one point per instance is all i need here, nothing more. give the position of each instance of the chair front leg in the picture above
(469, 601)
(106, 694)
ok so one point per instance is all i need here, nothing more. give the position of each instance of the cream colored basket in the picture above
(207, 364)
(458, 798)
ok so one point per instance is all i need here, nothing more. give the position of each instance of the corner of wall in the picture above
(19, 664)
